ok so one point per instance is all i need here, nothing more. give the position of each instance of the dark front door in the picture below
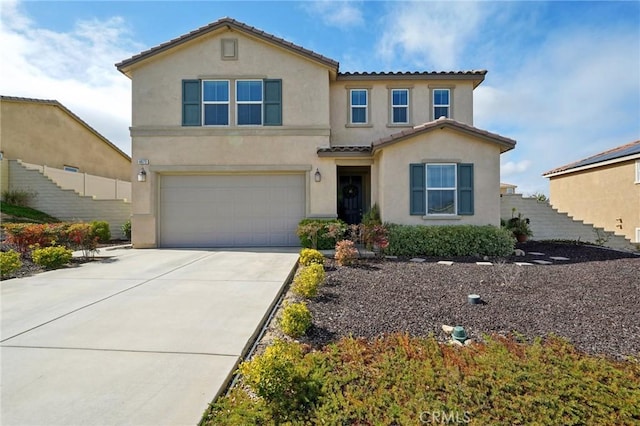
(350, 198)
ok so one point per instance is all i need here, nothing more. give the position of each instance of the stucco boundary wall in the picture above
(548, 223)
(66, 204)
(100, 188)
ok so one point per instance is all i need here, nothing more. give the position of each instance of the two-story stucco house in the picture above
(245, 134)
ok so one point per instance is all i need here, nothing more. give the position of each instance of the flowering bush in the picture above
(309, 256)
(346, 253)
(9, 262)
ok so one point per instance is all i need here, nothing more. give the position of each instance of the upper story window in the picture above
(212, 102)
(249, 102)
(71, 169)
(215, 99)
(441, 103)
(399, 106)
(359, 99)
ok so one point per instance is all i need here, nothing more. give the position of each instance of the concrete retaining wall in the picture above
(66, 204)
(549, 224)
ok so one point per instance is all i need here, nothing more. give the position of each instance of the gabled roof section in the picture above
(477, 76)
(57, 104)
(614, 155)
(230, 24)
(505, 143)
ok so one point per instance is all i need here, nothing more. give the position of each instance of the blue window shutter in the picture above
(417, 182)
(191, 103)
(272, 102)
(465, 189)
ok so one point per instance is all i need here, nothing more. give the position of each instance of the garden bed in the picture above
(592, 299)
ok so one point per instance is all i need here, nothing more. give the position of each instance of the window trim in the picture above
(392, 106)
(637, 171)
(367, 108)
(454, 189)
(261, 102)
(72, 169)
(228, 103)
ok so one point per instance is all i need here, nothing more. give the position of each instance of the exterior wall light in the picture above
(142, 175)
(318, 176)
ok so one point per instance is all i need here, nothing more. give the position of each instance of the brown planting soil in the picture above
(593, 299)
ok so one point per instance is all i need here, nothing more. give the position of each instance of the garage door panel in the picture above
(231, 210)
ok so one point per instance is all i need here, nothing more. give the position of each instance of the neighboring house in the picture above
(507, 188)
(45, 133)
(603, 190)
(242, 134)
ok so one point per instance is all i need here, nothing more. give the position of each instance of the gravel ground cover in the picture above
(592, 299)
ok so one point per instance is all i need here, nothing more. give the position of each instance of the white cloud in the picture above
(74, 67)
(429, 35)
(341, 14)
(513, 167)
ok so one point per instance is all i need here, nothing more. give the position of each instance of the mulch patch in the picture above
(593, 299)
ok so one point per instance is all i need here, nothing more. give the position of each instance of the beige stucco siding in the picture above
(605, 196)
(420, 107)
(157, 87)
(439, 146)
(45, 134)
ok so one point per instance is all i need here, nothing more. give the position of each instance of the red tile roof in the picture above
(229, 23)
(505, 143)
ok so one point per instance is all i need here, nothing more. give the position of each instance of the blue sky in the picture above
(563, 80)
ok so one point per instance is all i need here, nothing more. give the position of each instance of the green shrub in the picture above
(320, 234)
(281, 380)
(9, 262)
(126, 229)
(309, 256)
(346, 253)
(295, 319)
(404, 380)
(51, 257)
(100, 229)
(308, 279)
(457, 240)
(17, 197)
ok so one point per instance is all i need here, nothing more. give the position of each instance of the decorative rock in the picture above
(484, 263)
(455, 342)
(447, 328)
(536, 253)
(519, 252)
(524, 264)
(486, 258)
(543, 262)
(468, 342)
(445, 262)
(418, 260)
(391, 257)
(558, 258)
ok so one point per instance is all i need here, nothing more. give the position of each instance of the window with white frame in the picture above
(215, 101)
(441, 189)
(71, 169)
(399, 106)
(249, 102)
(359, 106)
(441, 103)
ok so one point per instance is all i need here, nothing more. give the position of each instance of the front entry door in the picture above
(350, 198)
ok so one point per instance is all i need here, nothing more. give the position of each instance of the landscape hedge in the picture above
(326, 241)
(451, 240)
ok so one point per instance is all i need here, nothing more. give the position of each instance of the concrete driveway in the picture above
(143, 337)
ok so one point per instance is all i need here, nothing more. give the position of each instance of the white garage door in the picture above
(231, 210)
